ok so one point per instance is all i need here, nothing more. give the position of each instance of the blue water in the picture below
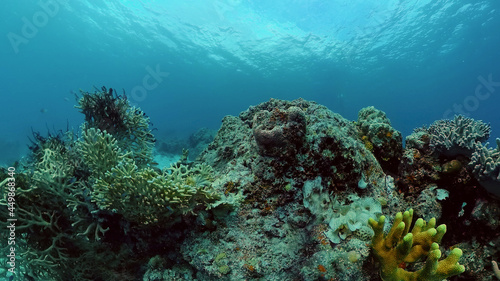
(189, 63)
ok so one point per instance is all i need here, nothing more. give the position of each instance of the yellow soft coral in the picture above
(401, 246)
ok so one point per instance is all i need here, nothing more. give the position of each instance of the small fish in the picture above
(44, 110)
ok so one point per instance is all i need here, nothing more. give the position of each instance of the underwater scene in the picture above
(287, 140)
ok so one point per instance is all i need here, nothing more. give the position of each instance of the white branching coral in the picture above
(99, 150)
(458, 136)
(485, 164)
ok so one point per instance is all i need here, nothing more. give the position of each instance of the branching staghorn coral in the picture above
(145, 196)
(52, 157)
(41, 244)
(457, 136)
(43, 194)
(99, 150)
(485, 164)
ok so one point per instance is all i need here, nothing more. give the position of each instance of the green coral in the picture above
(224, 269)
(99, 150)
(112, 113)
(42, 194)
(400, 246)
(146, 196)
(52, 157)
(116, 146)
(52, 164)
(221, 263)
(220, 257)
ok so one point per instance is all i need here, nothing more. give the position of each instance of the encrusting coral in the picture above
(279, 132)
(401, 246)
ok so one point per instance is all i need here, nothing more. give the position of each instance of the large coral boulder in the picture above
(380, 137)
(308, 182)
(278, 132)
(282, 142)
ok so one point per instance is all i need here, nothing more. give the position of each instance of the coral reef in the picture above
(283, 142)
(85, 204)
(284, 191)
(276, 184)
